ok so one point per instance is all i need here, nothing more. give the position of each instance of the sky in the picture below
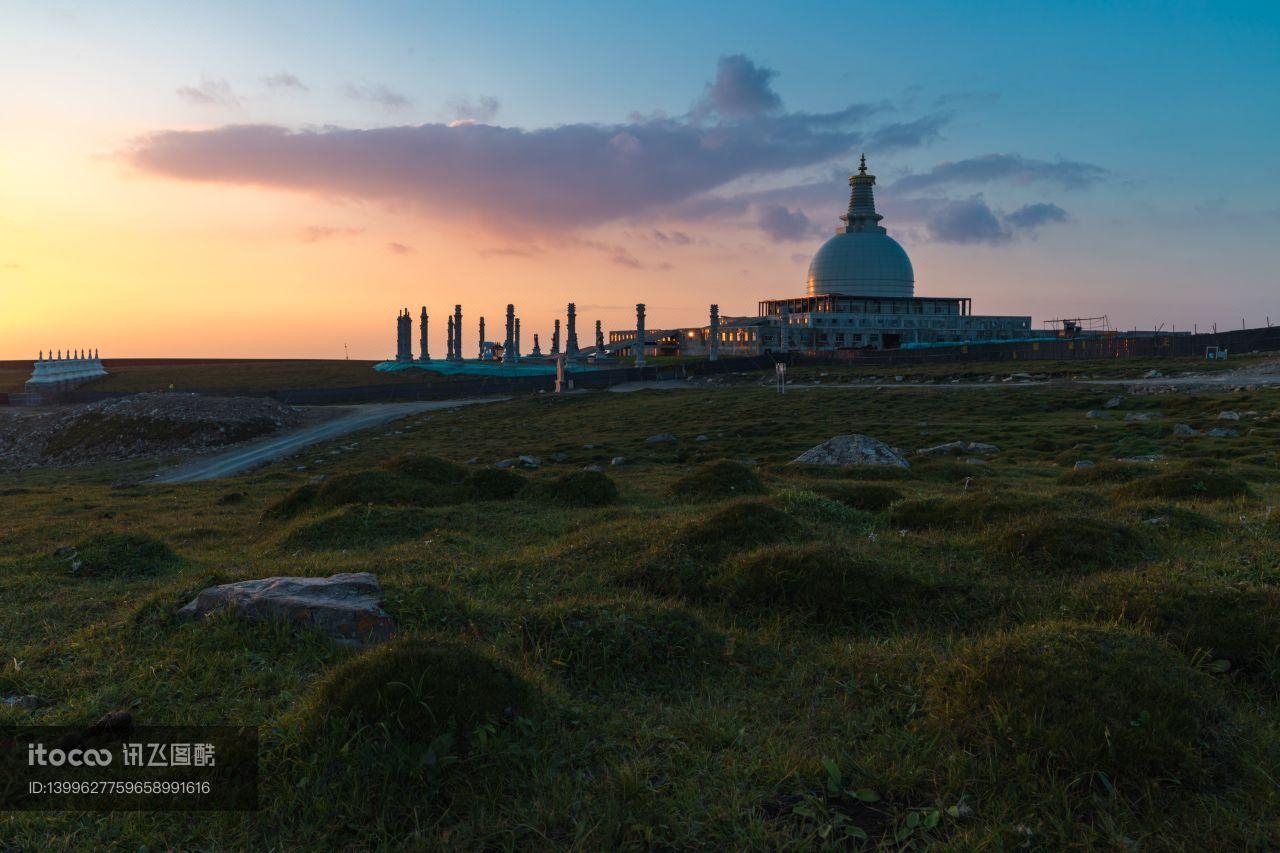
(279, 179)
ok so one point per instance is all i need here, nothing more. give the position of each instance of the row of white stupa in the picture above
(60, 372)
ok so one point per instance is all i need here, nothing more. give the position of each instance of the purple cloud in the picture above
(380, 95)
(741, 89)
(1010, 168)
(284, 80)
(781, 224)
(481, 110)
(1032, 216)
(399, 248)
(210, 93)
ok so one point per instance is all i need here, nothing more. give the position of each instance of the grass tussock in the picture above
(361, 527)
(577, 489)
(1106, 473)
(616, 643)
(1062, 703)
(718, 480)
(972, 511)
(415, 481)
(1066, 543)
(118, 555)
(418, 691)
(1237, 623)
(867, 497)
(826, 580)
(1191, 483)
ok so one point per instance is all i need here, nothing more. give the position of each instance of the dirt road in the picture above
(266, 450)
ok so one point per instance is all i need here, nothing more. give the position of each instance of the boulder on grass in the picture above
(852, 450)
(344, 606)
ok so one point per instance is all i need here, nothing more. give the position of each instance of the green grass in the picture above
(953, 656)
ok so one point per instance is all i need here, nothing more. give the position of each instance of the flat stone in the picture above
(1223, 432)
(1096, 415)
(955, 447)
(593, 468)
(1081, 464)
(1183, 429)
(1146, 458)
(853, 449)
(559, 457)
(505, 463)
(1228, 416)
(1113, 403)
(25, 701)
(527, 461)
(660, 438)
(1153, 374)
(618, 460)
(1138, 416)
(981, 447)
(344, 606)
(701, 438)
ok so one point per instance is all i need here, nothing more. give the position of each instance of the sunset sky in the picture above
(279, 179)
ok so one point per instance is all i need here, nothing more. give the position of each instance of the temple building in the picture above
(860, 294)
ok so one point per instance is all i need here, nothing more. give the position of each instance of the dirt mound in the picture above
(136, 427)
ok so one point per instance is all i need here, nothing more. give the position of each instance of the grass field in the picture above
(731, 652)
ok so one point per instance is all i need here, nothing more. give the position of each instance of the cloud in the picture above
(399, 248)
(909, 134)
(554, 180)
(781, 224)
(320, 233)
(213, 93)
(380, 95)
(1031, 216)
(676, 238)
(741, 89)
(284, 80)
(510, 252)
(482, 110)
(1010, 168)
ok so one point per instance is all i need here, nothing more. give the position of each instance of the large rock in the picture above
(345, 606)
(852, 450)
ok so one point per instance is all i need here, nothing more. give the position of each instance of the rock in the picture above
(527, 461)
(973, 460)
(505, 463)
(1113, 403)
(701, 438)
(27, 701)
(1145, 458)
(1223, 432)
(1138, 416)
(474, 460)
(660, 438)
(1082, 464)
(559, 457)
(1153, 374)
(596, 469)
(618, 460)
(1228, 416)
(344, 606)
(852, 450)
(1183, 429)
(898, 378)
(954, 447)
(1096, 415)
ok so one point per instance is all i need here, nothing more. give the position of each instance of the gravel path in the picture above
(267, 450)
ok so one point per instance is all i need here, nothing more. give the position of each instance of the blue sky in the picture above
(1046, 158)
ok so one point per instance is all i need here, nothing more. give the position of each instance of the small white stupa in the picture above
(58, 373)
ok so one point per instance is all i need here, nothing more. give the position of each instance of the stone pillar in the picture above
(599, 339)
(509, 345)
(517, 339)
(448, 341)
(423, 350)
(481, 337)
(571, 332)
(713, 340)
(784, 328)
(555, 338)
(457, 333)
(404, 336)
(639, 345)
(537, 347)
